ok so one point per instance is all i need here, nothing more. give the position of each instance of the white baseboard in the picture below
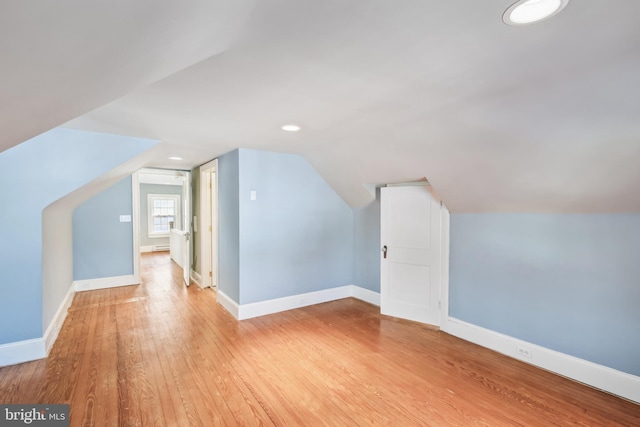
(604, 378)
(154, 248)
(22, 351)
(365, 295)
(53, 330)
(247, 311)
(196, 278)
(230, 305)
(37, 348)
(104, 283)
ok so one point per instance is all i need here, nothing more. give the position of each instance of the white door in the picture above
(209, 224)
(411, 254)
(186, 226)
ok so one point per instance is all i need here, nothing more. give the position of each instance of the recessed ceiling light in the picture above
(525, 12)
(175, 158)
(291, 128)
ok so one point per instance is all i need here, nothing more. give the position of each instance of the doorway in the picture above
(162, 216)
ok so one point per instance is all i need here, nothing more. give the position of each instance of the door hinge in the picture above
(210, 274)
(210, 228)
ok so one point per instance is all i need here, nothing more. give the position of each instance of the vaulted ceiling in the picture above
(539, 118)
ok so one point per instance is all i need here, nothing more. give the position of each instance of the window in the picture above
(163, 210)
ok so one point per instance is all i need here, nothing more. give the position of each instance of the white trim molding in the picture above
(229, 304)
(196, 278)
(37, 348)
(261, 308)
(445, 218)
(208, 220)
(105, 283)
(247, 311)
(22, 351)
(365, 295)
(53, 330)
(155, 248)
(177, 214)
(601, 377)
(135, 203)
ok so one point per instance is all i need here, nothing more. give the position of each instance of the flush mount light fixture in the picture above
(175, 158)
(291, 128)
(525, 12)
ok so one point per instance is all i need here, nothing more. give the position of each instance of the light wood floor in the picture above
(163, 354)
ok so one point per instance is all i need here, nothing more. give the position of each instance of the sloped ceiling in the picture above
(60, 59)
(542, 118)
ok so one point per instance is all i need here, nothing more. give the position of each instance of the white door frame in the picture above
(135, 192)
(186, 227)
(445, 224)
(209, 218)
(445, 221)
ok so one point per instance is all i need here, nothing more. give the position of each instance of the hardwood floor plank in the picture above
(106, 408)
(219, 405)
(87, 413)
(162, 354)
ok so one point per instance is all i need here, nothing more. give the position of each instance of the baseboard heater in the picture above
(159, 248)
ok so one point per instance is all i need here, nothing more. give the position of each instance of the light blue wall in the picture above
(297, 236)
(229, 225)
(367, 246)
(145, 190)
(33, 175)
(570, 283)
(102, 245)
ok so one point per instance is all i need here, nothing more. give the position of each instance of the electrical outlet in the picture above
(524, 351)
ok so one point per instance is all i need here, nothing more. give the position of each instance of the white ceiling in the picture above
(161, 176)
(498, 118)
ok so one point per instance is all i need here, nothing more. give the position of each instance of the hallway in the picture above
(163, 354)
